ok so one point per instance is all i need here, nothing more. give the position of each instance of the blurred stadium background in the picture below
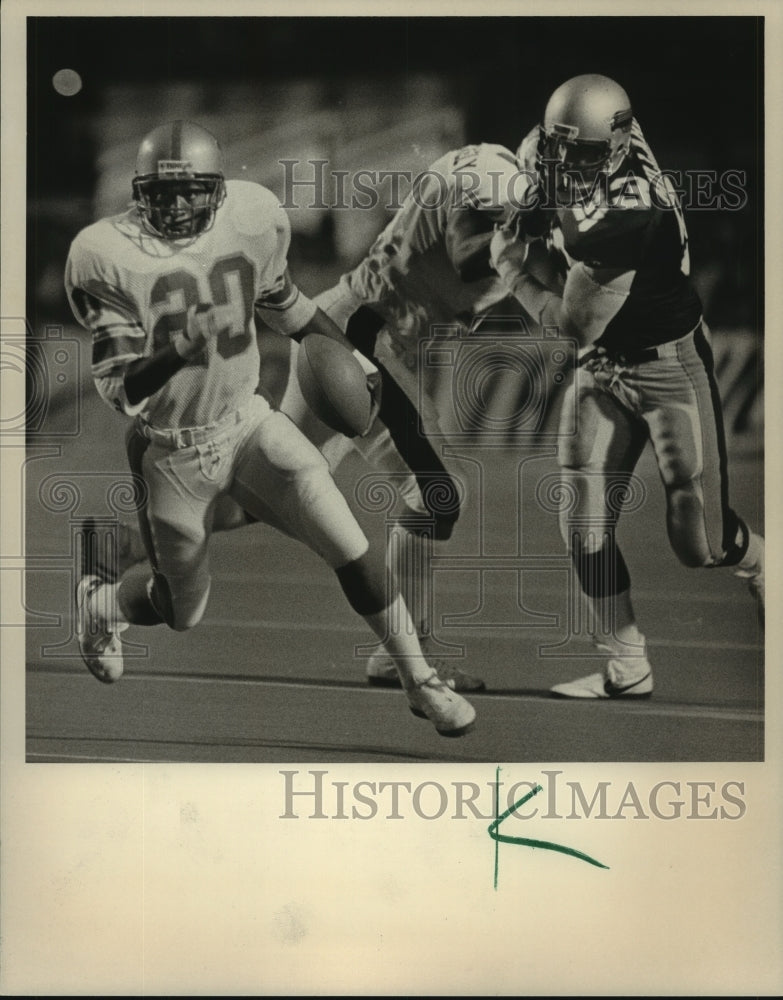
(393, 94)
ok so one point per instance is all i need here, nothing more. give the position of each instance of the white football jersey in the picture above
(134, 291)
(408, 273)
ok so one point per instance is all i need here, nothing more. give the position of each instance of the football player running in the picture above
(429, 266)
(168, 291)
(644, 370)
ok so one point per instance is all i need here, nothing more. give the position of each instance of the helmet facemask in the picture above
(178, 206)
(579, 162)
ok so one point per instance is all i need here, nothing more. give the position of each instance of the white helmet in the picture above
(179, 182)
(586, 126)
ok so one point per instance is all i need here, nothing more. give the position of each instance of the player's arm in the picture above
(123, 376)
(611, 252)
(526, 269)
(468, 236)
(145, 376)
(282, 305)
(290, 312)
(592, 297)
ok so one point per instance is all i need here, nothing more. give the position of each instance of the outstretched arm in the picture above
(592, 297)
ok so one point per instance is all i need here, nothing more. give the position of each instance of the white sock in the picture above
(410, 557)
(394, 628)
(104, 604)
(613, 625)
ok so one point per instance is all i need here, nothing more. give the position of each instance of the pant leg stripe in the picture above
(704, 352)
(136, 446)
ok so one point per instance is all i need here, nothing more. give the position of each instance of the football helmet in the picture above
(179, 183)
(586, 128)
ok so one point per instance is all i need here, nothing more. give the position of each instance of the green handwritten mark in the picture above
(499, 838)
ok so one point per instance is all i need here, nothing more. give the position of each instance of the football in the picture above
(334, 384)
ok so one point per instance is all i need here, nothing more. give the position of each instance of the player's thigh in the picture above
(282, 474)
(599, 445)
(682, 410)
(175, 519)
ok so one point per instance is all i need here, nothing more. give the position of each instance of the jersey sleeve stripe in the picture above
(115, 350)
(286, 303)
(113, 367)
(134, 329)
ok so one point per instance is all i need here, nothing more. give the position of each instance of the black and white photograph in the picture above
(386, 477)
(505, 502)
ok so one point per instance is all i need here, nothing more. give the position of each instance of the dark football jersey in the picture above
(633, 221)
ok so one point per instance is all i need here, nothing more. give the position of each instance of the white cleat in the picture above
(382, 672)
(618, 681)
(99, 643)
(449, 712)
(755, 580)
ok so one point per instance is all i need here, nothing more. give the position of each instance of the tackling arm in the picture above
(468, 236)
(526, 269)
(592, 297)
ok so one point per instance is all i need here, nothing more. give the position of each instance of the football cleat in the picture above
(624, 677)
(449, 712)
(755, 579)
(99, 641)
(381, 672)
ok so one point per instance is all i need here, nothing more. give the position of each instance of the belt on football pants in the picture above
(187, 437)
(668, 350)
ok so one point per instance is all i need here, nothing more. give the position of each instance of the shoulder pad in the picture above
(253, 208)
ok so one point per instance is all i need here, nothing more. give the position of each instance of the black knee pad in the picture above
(134, 598)
(367, 583)
(442, 499)
(603, 573)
